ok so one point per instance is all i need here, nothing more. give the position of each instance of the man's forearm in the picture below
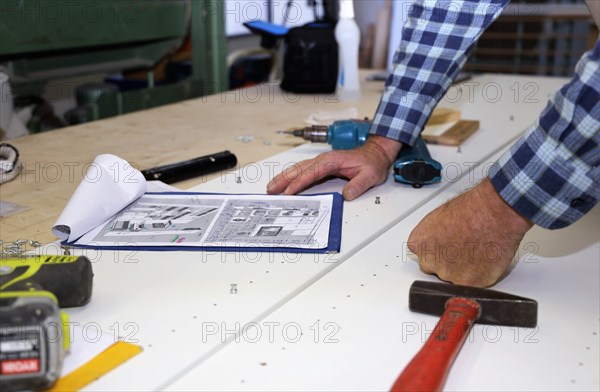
(436, 40)
(552, 174)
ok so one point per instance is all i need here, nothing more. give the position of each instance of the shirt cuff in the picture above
(539, 184)
(402, 115)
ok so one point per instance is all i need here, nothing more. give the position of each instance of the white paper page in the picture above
(109, 185)
(323, 117)
(220, 221)
(159, 186)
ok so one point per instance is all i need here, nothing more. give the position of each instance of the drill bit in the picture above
(315, 133)
(293, 132)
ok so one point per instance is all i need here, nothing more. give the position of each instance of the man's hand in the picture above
(470, 240)
(365, 166)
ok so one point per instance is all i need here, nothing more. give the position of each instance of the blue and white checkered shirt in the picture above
(552, 174)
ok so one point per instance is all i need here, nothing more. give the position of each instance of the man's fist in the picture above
(470, 240)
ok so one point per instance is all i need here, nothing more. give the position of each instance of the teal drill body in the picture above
(348, 134)
(413, 166)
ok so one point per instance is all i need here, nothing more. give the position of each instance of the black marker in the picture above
(184, 170)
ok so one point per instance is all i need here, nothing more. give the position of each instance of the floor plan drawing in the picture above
(278, 221)
(219, 221)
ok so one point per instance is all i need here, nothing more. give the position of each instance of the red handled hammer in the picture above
(459, 307)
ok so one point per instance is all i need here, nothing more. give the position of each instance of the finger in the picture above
(276, 185)
(412, 246)
(415, 244)
(414, 238)
(428, 261)
(426, 267)
(358, 185)
(282, 180)
(310, 172)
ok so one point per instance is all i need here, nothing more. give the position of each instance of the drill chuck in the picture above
(316, 133)
(341, 135)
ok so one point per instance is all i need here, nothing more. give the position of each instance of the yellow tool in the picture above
(33, 329)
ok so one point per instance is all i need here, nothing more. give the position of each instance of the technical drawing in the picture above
(221, 220)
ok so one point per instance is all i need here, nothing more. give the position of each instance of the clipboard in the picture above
(334, 233)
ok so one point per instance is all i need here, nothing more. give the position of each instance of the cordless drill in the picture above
(34, 332)
(413, 166)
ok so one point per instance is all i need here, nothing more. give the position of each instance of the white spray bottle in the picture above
(347, 35)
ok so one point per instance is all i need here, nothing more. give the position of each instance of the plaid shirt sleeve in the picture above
(436, 40)
(552, 174)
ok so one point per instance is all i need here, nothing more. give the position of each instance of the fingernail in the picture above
(269, 186)
(350, 194)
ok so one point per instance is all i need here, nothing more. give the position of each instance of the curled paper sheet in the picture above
(109, 185)
(323, 117)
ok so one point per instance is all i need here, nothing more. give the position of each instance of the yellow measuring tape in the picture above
(103, 363)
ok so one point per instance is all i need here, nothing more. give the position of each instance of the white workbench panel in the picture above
(359, 333)
(167, 297)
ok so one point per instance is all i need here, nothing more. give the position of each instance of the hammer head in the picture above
(497, 308)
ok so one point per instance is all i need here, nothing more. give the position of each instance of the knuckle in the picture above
(412, 246)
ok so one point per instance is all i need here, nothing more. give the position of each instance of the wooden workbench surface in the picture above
(55, 162)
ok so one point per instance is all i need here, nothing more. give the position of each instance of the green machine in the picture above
(43, 41)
